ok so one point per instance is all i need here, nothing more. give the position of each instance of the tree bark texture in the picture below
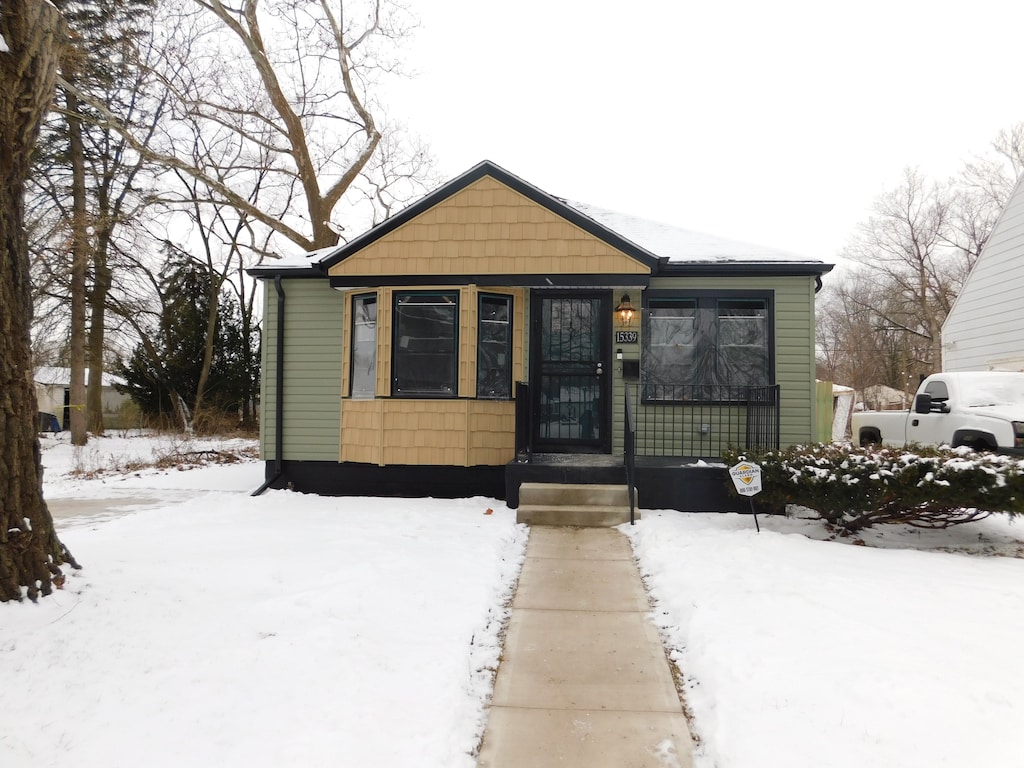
(79, 266)
(102, 282)
(30, 552)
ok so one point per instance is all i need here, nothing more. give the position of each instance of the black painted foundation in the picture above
(687, 485)
(328, 478)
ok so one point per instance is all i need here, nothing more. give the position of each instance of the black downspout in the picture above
(279, 393)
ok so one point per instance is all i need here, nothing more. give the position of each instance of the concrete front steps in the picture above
(583, 505)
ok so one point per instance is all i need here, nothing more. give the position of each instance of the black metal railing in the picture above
(682, 421)
(702, 420)
(762, 419)
(524, 422)
(629, 454)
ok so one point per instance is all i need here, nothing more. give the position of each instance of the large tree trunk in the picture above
(102, 279)
(79, 266)
(30, 552)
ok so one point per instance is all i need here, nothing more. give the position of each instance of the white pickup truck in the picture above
(983, 410)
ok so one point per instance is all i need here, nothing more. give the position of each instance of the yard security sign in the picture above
(746, 476)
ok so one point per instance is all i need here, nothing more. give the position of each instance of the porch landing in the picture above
(686, 484)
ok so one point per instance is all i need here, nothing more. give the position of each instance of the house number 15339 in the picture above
(626, 337)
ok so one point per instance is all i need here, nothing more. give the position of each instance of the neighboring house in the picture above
(489, 334)
(880, 397)
(985, 328)
(53, 392)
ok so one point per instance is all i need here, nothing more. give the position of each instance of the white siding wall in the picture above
(985, 328)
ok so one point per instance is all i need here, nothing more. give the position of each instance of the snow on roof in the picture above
(660, 240)
(681, 245)
(294, 261)
(56, 375)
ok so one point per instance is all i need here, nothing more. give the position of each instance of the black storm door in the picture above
(570, 373)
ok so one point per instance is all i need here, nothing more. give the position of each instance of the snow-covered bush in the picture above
(854, 488)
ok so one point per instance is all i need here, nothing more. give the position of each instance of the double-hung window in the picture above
(424, 357)
(364, 346)
(494, 347)
(705, 346)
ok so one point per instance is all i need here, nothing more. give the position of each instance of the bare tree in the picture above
(912, 255)
(285, 89)
(33, 35)
(224, 237)
(79, 265)
(86, 188)
(858, 344)
(980, 192)
(272, 121)
(993, 175)
(905, 246)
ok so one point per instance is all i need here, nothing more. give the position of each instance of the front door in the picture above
(570, 373)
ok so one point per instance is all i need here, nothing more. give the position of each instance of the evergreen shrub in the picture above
(854, 488)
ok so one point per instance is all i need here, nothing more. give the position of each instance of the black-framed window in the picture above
(702, 345)
(363, 379)
(424, 356)
(494, 347)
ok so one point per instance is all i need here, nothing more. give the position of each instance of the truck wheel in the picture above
(980, 442)
(870, 437)
(980, 446)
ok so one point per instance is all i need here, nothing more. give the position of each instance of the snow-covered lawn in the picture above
(282, 630)
(210, 628)
(815, 654)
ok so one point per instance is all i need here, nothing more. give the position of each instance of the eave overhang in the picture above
(512, 281)
(739, 268)
(269, 273)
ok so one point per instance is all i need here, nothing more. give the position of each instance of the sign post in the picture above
(746, 476)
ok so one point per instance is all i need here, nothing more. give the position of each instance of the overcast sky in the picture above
(773, 123)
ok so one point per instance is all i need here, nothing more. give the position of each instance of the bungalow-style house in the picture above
(493, 333)
(984, 330)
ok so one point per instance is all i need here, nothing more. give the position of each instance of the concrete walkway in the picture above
(583, 680)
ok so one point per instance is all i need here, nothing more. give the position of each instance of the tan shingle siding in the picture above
(487, 228)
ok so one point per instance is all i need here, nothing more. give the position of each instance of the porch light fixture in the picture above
(625, 310)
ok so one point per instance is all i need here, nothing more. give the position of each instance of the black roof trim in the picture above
(741, 268)
(263, 273)
(511, 281)
(477, 172)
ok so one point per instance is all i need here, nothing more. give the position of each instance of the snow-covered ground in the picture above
(814, 654)
(283, 630)
(211, 628)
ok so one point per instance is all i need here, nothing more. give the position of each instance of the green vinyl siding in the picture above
(314, 327)
(314, 324)
(793, 304)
